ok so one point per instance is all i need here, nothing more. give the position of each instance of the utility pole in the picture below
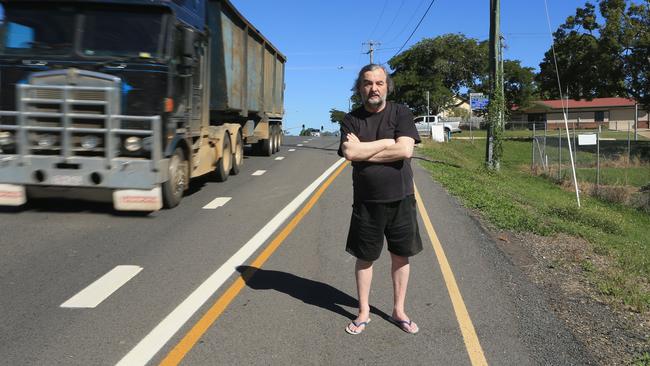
(496, 107)
(371, 49)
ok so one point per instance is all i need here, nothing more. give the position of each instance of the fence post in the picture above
(598, 160)
(545, 156)
(532, 165)
(559, 153)
(627, 168)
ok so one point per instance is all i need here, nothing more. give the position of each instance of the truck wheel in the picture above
(265, 145)
(274, 140)
(278, 138)
(224, 165)
(238, 156)
(176, 185)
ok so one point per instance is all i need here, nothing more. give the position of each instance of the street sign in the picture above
(478, 101)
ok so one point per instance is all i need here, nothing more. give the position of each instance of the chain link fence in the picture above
(613, 165)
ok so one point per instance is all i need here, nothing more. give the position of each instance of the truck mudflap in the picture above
(12, 195)
(137, 199)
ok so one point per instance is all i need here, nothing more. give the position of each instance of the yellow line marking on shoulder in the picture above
(472, 343)
(176, 355)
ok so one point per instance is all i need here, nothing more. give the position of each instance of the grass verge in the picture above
(515, 200)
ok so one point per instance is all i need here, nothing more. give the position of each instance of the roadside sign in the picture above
(587, 139)
(478, 101)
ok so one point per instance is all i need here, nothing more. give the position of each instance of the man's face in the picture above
(374, 89)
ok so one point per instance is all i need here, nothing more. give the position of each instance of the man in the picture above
(378, 138)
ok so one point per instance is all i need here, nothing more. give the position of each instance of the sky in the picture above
(323, 40)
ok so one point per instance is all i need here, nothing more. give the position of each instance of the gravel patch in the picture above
(611, 334)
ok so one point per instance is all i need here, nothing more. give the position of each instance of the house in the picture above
(458, 102)
(611, 113)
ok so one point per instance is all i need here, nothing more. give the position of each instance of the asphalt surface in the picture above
(295, 307)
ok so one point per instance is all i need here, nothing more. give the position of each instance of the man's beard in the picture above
(376, 103)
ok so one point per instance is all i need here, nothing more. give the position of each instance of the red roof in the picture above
(594, 103)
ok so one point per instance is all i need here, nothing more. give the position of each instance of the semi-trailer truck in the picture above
(127, 100)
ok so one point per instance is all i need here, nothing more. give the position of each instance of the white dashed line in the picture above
(280, 158)
(102, 288)
(217, 202)
(292, 150)
(306, 142)
(259, 172)
(299, 145)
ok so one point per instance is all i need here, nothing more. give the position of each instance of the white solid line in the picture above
(259, 172)
(102, 288)
(144, 351)
(292, 149)
(217, 202)
(280, 158)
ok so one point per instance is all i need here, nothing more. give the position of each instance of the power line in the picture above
(416, 27)
(393, 21)
(378, 19)
(407, 23)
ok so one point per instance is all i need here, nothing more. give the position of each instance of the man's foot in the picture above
(357, 326)
(405, 324)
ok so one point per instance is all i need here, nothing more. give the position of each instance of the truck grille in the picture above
(75, 113)
(56, 110)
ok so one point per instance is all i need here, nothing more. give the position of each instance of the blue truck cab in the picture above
(129, 100)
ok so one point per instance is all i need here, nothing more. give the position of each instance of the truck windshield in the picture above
(122, 33)
(39, 28)
(29, 31)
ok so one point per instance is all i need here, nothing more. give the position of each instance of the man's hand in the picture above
(355, 150)
(352, 137)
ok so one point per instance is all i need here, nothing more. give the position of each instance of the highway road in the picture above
(252, 271)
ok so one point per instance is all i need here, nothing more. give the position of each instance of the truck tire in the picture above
(274, 140)
(238, 156)
(265, 145)
(177, 183)
(224, 165)
(278, 137)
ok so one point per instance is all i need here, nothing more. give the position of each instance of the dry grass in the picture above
(625, 195)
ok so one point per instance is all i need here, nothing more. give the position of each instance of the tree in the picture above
(445, 65)
(336, 116)
(519, 84)
(441, 66)
(637, 65)
(603, 59)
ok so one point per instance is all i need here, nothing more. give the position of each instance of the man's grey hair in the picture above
(372, 67)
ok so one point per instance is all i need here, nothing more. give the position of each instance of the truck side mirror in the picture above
(189, 38)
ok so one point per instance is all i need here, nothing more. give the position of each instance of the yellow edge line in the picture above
(472, 343)
(176, 355)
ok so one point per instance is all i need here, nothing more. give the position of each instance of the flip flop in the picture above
(405, 325)
(355, 332)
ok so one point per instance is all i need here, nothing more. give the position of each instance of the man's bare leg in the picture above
(363, 274)
(400, 269)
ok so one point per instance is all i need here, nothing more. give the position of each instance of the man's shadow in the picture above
(308, 291)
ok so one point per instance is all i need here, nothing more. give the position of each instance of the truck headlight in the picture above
(6, 138)
(89, 142)
(133, 144)
(47, 140)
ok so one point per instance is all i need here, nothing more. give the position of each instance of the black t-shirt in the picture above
(380, 182)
